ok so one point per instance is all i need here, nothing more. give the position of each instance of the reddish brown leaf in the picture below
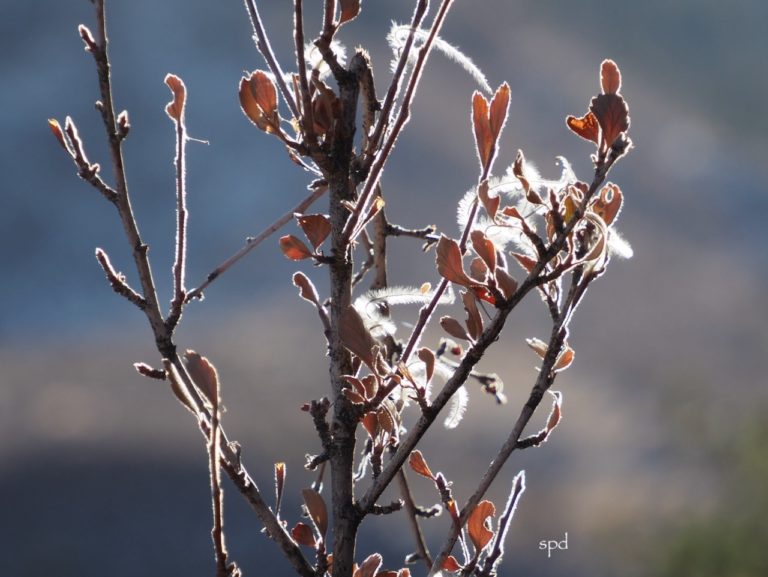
(483, 294)
(484, 248)
(356, 337)
(586, 127)
(556, 414)
(477, 524)
(608, 203)
(370, 386)
(175, 108)
(258, 99)
(204, 375)
(349, 10)
(498, 113)
(428, 358)
(525, 261)
(303, 535)
(612, 115)
(316, 509)
(451, 565)
(564, 359)
(316, 227)
(307, 290)
(419, 464)
(505, 282)
(386, 420)
(404, 572)
(482, 128)
(449, 262)
(371, 423)
(490, 203)
(478, 271)
(387, 574)
(369, 566)
(517, 170)
(610, 77)
(474, 320)
(454, 328)
(354, 397)
(294, 248)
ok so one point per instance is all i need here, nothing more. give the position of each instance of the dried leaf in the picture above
(449, 262)
(428, 358)
(354, 397)
(404, 572)
(505, 282)
(556, 414)
(371, 423)
(612, 114)
(518, 170)
(386, 420)
(387, 574)
(307, 290)
(419, 464)
(303, 535)
(474, 320)
(369, 567)
(258, 99)
(538, 346)
(204, 375)
(175, 108)
(586, 127)
(482, 128)
(610, 77)
(294, 248)
(477, 524)
(490, 203)
(370, 386)
(484, 248)
(55, 127)
(564, 359)
(316, 227)
(451, 565)
(356, 337)
(608, 204)
(454, 328)
(498, 112)
(349, 10)
(525, 261)
(478, 271)
(279, 485)
(316, 509)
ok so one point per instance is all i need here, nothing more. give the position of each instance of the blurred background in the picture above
(660, 465)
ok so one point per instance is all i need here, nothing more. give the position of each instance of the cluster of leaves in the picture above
(561, 233)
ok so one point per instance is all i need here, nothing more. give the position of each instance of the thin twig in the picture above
(403, 116)
(318, 190)
(493, 559)
(263, 45)
(306, 117)
(179, 264)
(412, 512)
(118, 282)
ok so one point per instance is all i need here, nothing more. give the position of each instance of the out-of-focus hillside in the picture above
(102, 467)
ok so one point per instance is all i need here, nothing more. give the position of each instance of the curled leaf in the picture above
(204, 375)
(451, 565)
(349, 10)
(428, 358)
(586, 127)
(612, 114)
(356, 337)
(484, 248)
(482, 128)
(478, 522)
(258, 99)
(490, 203)
(419, 464)
(279, 485)
(307, 290)
(55, 127)
(175, 108)
(556, 414)
(369, 567)
(454, 328)
(564, 359)
(497, 116)
(538, 346)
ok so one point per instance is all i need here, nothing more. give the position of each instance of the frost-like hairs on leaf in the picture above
(618, 246)
(314, 58)
(459, 402)
(398, 35)
(373, 306)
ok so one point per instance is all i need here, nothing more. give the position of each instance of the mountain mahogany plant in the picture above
(518, 235)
